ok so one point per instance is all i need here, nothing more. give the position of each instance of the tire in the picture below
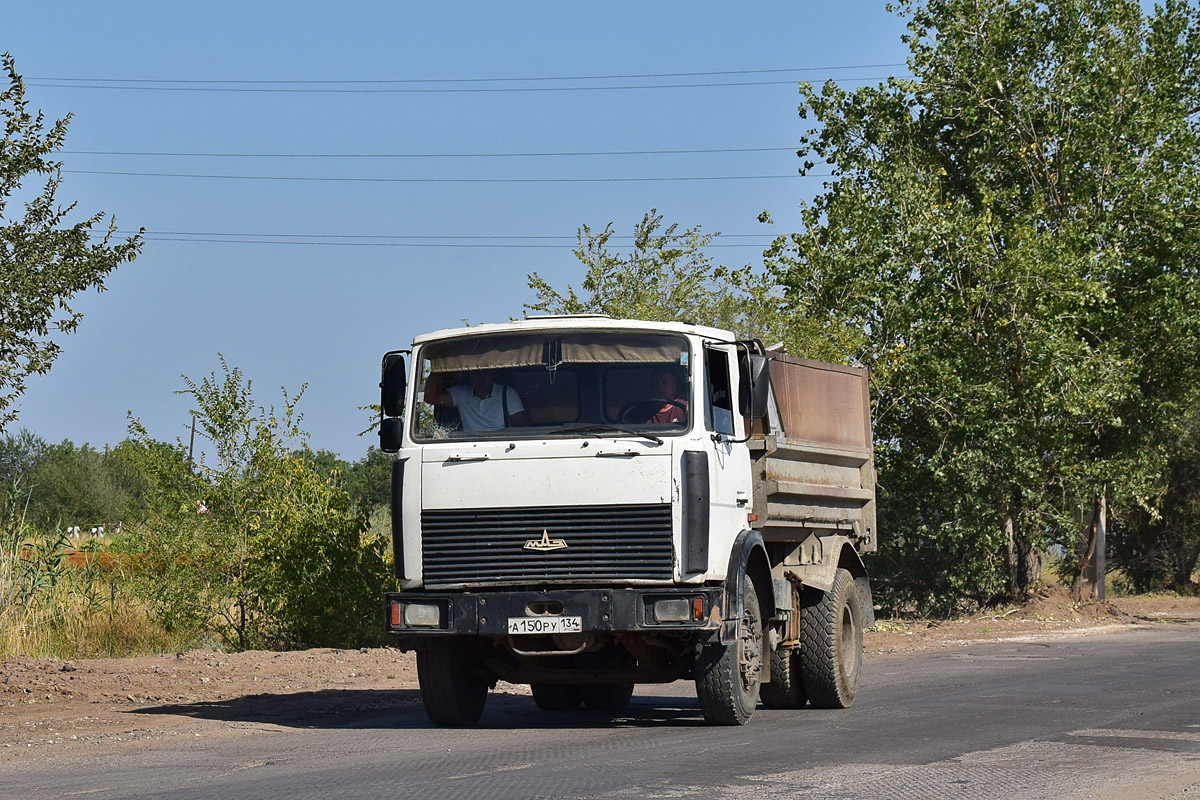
(606, 696)
(786, 689)
(451, 691)
(728, 677)
(556, 696)
(831, 643)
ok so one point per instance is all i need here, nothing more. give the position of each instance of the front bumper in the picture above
(601, 610)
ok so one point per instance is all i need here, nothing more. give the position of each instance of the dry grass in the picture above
(79, 615)
(128, 631)
(58, 601)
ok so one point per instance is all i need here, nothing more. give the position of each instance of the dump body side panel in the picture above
(815, 472)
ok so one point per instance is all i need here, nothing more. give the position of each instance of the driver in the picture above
(665, 388)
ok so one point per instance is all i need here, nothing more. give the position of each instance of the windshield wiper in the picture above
(596, 430)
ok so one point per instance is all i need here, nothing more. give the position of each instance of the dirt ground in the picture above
(89, 707)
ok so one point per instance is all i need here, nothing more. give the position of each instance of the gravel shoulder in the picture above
(89, 707)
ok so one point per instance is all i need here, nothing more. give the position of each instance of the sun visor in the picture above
(626, 349)
(487, 352)
(503, 352)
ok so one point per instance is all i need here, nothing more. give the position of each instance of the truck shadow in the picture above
(401, 709)
(326, 708)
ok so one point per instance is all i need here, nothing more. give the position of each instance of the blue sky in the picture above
(306, 292)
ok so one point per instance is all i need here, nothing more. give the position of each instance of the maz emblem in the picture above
(546, 544)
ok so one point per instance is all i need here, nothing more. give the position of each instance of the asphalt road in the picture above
(1104, 716)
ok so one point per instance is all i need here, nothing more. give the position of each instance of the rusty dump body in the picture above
(813, 463)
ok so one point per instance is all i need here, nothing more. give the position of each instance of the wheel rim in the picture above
(751, 652)
(849, 649)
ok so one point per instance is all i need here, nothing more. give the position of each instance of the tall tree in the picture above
(668, 275)
(1011, 238)
(44, 259)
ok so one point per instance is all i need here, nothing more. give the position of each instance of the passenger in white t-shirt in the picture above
(480, 405)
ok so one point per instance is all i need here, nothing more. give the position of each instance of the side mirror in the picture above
(755, 375)
(393, 384)
(391, 429)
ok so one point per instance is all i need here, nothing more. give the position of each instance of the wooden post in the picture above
(1098, 560)
(1081, 588)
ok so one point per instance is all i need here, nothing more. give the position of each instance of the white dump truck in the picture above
(583, 504)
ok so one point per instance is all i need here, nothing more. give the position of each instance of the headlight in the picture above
(422, 615)
(674, 610)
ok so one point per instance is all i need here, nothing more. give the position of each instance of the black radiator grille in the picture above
(604, 544)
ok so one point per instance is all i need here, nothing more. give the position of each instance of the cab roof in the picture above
(577, 322)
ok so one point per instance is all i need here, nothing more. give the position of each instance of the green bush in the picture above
(257, 546)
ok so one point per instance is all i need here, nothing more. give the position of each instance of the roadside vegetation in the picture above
(259, 542)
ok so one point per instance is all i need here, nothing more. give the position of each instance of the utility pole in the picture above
(191, 446)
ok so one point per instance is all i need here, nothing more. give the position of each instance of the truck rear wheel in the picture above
(556, 696)
(453, 694)
(728, 677)
(606, 696)
(786, 689)
(831, 642)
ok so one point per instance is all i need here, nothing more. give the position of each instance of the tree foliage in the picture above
(368, 480)
(1158, 546)
(665, 275)
(44, 260)
(1009, 239)
(19, 456)
(68, 485)
(81, 486)
(668, 275)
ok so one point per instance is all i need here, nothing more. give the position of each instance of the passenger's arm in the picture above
(435, 395)
(518, 417)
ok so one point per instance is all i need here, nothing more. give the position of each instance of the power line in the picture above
(630, 76)
(468, 245)
(392, 236)
(320, 179)
(473, 241)
(433, 155)
(392, 90)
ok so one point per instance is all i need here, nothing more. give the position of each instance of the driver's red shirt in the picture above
(671, 413)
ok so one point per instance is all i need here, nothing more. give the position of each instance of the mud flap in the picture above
(740, 557)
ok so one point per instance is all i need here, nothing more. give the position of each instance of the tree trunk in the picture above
(1183, 566)
(1089, 580)
(1024, 561)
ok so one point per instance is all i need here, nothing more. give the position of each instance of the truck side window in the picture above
(718, 414)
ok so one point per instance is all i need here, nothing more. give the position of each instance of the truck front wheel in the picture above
(728, 677)
(451, 690)
(831, 642)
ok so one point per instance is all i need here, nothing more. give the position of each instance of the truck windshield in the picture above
(553, 384)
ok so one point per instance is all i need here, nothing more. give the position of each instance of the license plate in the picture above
(545, 624)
